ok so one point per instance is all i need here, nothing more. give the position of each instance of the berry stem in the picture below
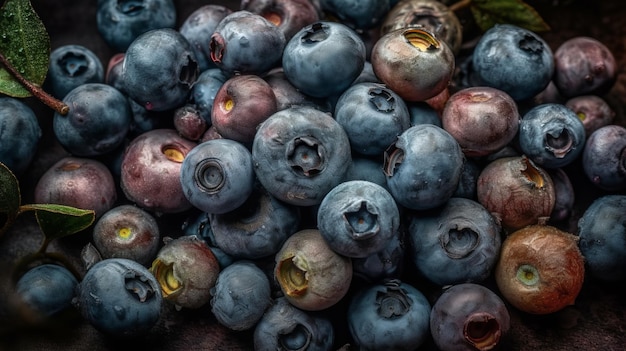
(52, 102)
(459, 5)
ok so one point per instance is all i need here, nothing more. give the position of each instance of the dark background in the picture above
(596, 322)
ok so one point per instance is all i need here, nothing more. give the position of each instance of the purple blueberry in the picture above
(288, 15)
(604, 158)
(594, 111)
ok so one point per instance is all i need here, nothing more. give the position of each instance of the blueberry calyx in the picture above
(292, 274)
(217, 47)
(306, 156)
(209, 175)
(139, 286)
(298, 338)
(527, 275)
(393, 157)
(393, 302)
(559, 142)
(274, 16)
(361, 220)
(459, 242)
(189, 72)
(482, 330)
(173, 153)
(421, 39)
(532, 174)
(73, 64)
(530, 44)
(382, 100)
(130, 7)
(166, 277)
(317, 32)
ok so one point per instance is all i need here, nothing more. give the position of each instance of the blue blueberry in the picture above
(240, 296)
(365, 168)
(458, 243)
(360, 14)
(373, 116)
(46, 290)
(256, 229)
(551, 135)
(286, 327)
(199, 225)
(205, 89)
(20, 134)
(358, 218)
(423, 167)
(198, 27)
(70, 66)
(120, 298)
(246, 43)
(164, 83)
(217, 175)
(387, 263)
(604, 159)
(422, 113)
(324, 58)
(469, 178)
(513, 59)
(389, 316)
(119, 22)
(602, 233)
(300, 154)
(97, 123)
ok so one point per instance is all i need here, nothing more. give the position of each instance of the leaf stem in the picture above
(459, 5)
(52, 102)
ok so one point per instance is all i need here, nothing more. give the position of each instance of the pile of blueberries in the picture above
(339, 169)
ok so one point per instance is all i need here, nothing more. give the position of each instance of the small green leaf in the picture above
(57, 221)
(9, 198)
(25, 43)
(488, 13)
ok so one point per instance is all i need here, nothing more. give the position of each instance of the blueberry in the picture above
(364, 168)
(97, 123)
(70, 66)
(46, 290)
(189, 123)
(300, 154)
(604, 159)
(602, 230)
(217, 175)
(387, 263)
(469, 178)
(20, 134)
(513, 59)
(423, 167)
(288, 15)
(127, 231)
(120, 22)
(324, 58)
(584, 65)
(422, 113)
(199, 225)
(565, 195)
(286, 327)
(246, 43)
(551, 135)
(594, 111)
(256, 229)
(162, 84)
(358, 218)
(389, 316)
(198, 27)
(469, 317)
(240, 296)
(287, 95)
(205, 89)
(358, 14)
(458, 243)
(373, 116)
(120, 298)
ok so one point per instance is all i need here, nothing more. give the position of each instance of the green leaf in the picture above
(57, 221)
(25, 43)
(488, 13)
(9, 197)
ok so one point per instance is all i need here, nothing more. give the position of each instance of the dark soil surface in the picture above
(596, 322)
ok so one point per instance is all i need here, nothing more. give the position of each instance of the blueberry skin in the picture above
(286, 327)
(358, 218)
(256, 229)
(602, 233)
(422, 113)
(47, 289)
(121, 22)
(469, 317)
(458, 243)
(198, 27)
(97, 123)
(423, 167)
(199, 226)
(70, 66)
(360, 14)
(389, 316)
(387, 263)
(20, 134)
(119, 297)
(240, 296)
(324, 58)
(364, 168)
(373, 116)
(162, 84)
(246, 43)
(300, 154)
(551, 135)
(603, 158)
(205, 89)
(217, 175)
(513, 59)
(469, 180)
